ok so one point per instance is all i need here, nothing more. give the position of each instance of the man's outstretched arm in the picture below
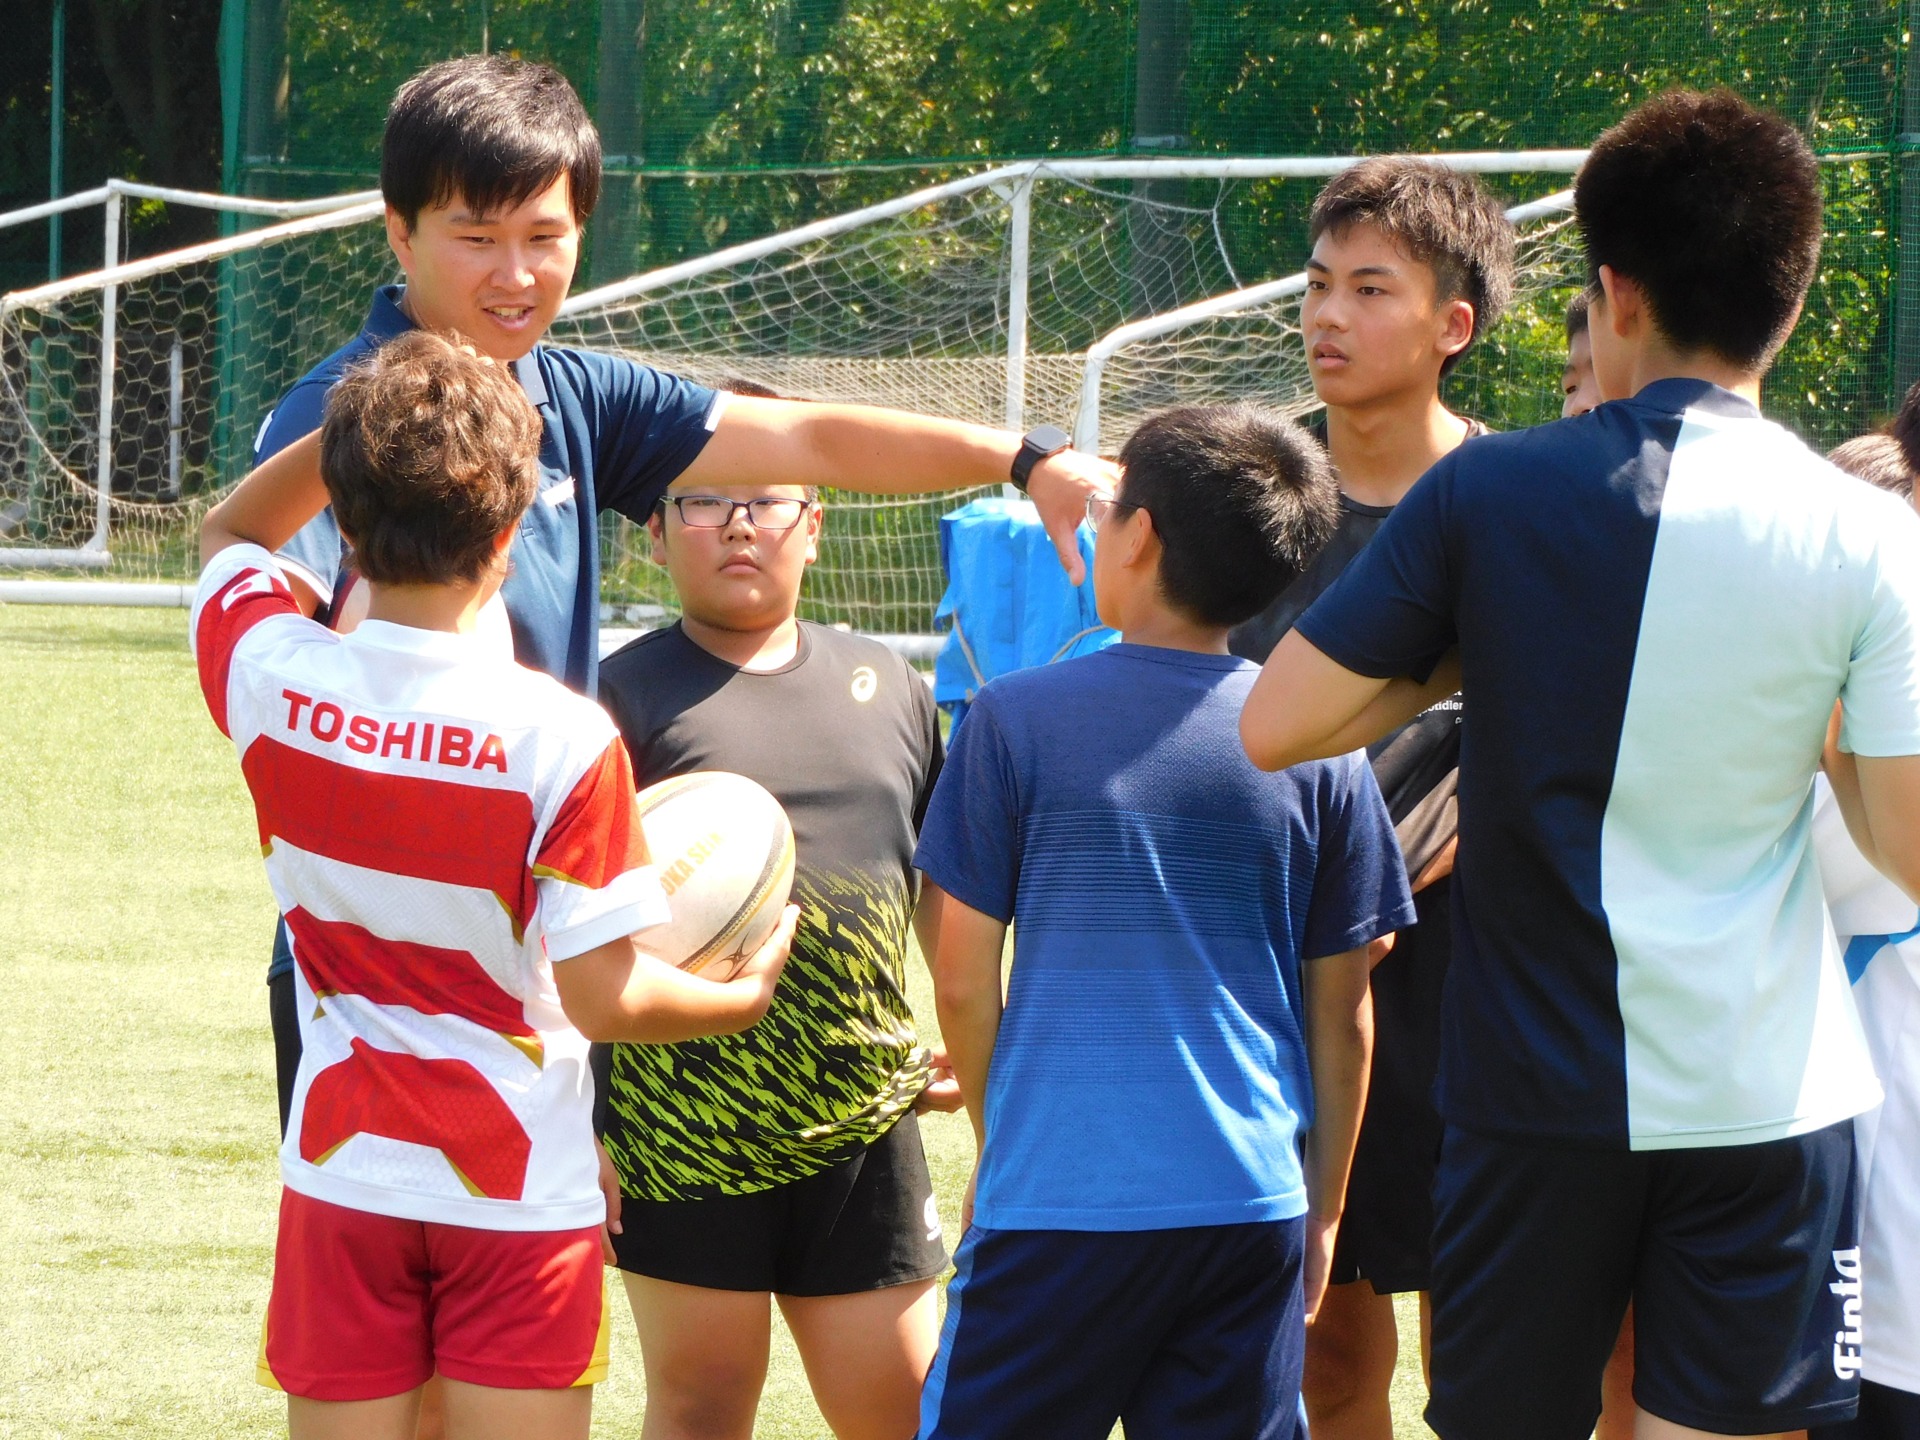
(893, 452)
(1307, 706)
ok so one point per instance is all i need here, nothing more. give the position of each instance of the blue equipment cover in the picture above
(1008, 605)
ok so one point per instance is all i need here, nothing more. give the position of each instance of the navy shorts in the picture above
(1737, 1259)
(1193, 1333)
(1885, 1414)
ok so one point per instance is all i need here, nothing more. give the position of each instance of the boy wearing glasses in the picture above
(786, 1163)
(1189, 987)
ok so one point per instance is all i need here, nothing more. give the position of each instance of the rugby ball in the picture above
(723, 849)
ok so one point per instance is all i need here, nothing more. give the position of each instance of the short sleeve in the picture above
(317, 551)
(969, 840)
(1360, 883)
(1881, 696)
(652, 425)
(625, 702)
(1391, 611)
(934, 750)
(241, 588)
(590, 868)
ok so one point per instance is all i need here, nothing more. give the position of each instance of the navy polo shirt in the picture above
(614, 435)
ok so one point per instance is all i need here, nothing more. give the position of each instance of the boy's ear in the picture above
(657, 528)
(1456, 326)
(400, 239)
(1139, 541)
(1621, 299)
(816, 517)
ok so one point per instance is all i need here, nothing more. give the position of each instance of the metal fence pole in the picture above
(176, 413)
(109, 326)
(1906, 303)
(1021, 243)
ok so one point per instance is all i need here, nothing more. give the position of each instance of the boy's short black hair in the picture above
(1905, 427)
(429, 454)
(1241, 498)
(1876, 459)
(1577, 314)
(490, 130)
(1713, 208)
(1440, 217)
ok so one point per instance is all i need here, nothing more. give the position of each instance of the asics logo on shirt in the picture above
(421, 740)
(865, 683)
(1846, 1340)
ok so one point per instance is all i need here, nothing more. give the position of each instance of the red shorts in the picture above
(366, 1306)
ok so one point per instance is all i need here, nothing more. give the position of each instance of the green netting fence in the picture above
(734, 119)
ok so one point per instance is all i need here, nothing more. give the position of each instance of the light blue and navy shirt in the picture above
(1656, 606)
(1151, 1067)
(614, 435)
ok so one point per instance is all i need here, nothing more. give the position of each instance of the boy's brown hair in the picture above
(1877, 459)
(429, 453)
(1439, 217)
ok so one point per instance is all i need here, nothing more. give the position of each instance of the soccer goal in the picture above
(1096, 289)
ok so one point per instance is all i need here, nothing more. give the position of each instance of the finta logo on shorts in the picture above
(418, 740)
(1846, 1340)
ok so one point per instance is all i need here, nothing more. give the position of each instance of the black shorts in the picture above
(1736, 1258)
(865, 1224)
(1885, 1414)
(1386, 1233)
(286, 1041)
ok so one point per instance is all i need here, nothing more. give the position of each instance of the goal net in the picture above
(988, 298)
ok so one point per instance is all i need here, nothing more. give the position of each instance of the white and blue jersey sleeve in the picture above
(1657, 605)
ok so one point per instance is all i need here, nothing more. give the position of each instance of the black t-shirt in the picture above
(846, 737)
(1418, 765)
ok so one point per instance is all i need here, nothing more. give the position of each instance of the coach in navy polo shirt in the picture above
(489, 167)
(1649, 1058)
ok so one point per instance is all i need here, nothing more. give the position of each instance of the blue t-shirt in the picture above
(1151, 1068)
(614, 435)
(1656, 606)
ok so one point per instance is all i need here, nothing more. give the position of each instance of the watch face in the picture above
(1047, 439)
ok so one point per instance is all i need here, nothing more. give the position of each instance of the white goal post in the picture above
(94, 552)
(997, 296)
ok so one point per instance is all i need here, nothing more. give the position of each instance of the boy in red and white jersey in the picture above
(451, 839)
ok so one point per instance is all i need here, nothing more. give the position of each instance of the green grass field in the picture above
(137, 1178)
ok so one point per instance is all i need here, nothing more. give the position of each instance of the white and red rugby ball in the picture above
(723, 849)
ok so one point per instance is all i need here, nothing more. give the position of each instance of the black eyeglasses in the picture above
(716, 512)
(1101, 506)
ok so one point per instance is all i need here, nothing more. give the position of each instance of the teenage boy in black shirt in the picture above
(787, 1163)
(1411, 263)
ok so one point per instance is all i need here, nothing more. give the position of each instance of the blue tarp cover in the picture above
(1008, 604)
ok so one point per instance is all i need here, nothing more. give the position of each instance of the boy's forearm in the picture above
(1879, 798)
(968, 999)
(619, 992)
(1398, 703)
(1306, 706)
(1339, 1050)
(269, 507)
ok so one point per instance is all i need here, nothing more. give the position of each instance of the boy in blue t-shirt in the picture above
(1143, 1243)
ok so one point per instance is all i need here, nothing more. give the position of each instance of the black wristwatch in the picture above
(1036, 445)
